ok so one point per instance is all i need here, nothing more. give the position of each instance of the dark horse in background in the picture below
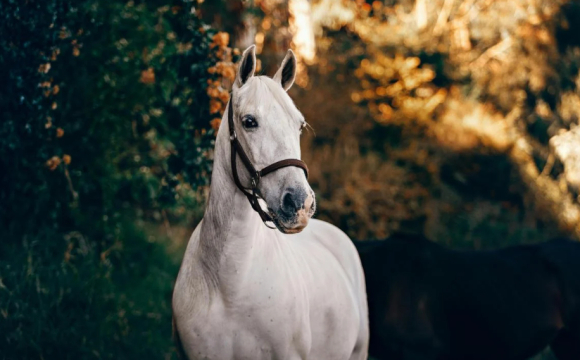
(427, 302)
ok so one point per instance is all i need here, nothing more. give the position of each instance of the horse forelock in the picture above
(262, 89)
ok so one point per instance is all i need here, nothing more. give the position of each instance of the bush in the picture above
(106, 119)
(107, 106)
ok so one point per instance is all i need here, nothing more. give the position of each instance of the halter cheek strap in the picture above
(255, 175)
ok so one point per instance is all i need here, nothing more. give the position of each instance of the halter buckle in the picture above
(233, 136)
(255, 180)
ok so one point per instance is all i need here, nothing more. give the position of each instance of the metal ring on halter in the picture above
(256, 180)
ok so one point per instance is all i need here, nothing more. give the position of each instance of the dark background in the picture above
(453, 119)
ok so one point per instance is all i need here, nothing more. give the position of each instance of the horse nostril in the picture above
(292, 201)
(289, 205)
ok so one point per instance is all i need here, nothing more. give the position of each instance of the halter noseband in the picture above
(255, 175)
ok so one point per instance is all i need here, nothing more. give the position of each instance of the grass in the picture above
(61, 298)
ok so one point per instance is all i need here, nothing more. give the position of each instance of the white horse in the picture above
(245, 291)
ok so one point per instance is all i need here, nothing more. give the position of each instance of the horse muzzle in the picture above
(295, 211)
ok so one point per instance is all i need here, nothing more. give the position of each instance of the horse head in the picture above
(268, 127)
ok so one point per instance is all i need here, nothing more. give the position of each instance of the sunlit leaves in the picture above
(397, 88)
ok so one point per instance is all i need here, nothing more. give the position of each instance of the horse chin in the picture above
(291, 230)
(296, 226)
(295, 229)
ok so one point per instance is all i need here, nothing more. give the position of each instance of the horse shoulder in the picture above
(190, 292)
(177, 341)
(182, 289)
(340, 246)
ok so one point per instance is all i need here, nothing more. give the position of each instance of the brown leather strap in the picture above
(255, 175)
(282, 164)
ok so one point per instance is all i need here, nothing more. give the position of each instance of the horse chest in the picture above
(276, 312)
(266, 326)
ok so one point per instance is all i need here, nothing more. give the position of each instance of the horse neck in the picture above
(230, 226)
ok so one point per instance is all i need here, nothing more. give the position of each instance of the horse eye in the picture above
(249, 122)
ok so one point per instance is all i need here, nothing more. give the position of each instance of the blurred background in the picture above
(456, 119)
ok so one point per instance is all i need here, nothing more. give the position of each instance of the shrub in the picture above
(106, 119)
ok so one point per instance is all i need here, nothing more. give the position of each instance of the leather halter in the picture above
(255, 175)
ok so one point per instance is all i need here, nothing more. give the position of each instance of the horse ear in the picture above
(287, 72)
(247, 66)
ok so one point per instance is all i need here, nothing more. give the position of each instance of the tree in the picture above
(466, 84)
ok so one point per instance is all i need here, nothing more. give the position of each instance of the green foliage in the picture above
(125, 86)
(83, 305)
(105, 120)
